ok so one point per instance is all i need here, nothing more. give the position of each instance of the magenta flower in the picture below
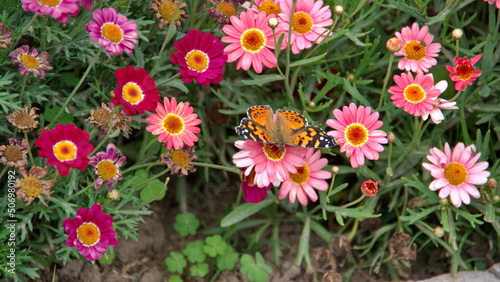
(107, 167)
(310, 20)
(270, 163)
(309, 176)
(113, 31)
(176, 124)
(464, 72)
(356, 132)
(417, 49)
(416, 95)
(87, 4)
(30, 61)
(251, 192)
(200, 57)
(90, 232)
(456, 172)
(59, 10)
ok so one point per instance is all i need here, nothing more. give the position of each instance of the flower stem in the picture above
(23, 87)
(91, 64)
(288, 82)
(386, 81)
(354, 230)
(29, 149)
(230, 169)
(136, 167)
(456, 96)
(354, 202)
(79, 193)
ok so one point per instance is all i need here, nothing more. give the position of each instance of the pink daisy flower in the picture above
(309, 21)
(90, 232)
(271, 7)
(416, 95)
(87, 4)
(107, 167)
(30, 61)
(435, 113)
(309, 176)
(417, 49)
(456, 172)
(176, 124)
(250, 41)
(370, 188)
(464, 72)
(270, 163)
(113, 31)
(496, 2)
(356, 132)
(251, 192)
(59, 10)
(200, 57)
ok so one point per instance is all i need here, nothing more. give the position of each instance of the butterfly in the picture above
(288, 128)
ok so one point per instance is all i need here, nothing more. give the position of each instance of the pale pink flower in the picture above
(356, 132)
(59, 10)
(310, 20)
(417, 49)
(435, 113)
(271, 164)
(464, 72)
(250, 41)
(496, 2)
(456, 172)
(309, 176)
(416, 95)
(176, 124)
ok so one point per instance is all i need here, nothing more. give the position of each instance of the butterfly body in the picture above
(284, 128)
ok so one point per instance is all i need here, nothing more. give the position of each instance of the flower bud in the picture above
(393, 45)
(114, 194)
(457, 33)
(492, 183)
(391, 137)
(312, 104)
(338, 10)
(351, 77)
(496, 199)
(370, 187)
(439, 232)
(335, 170)
(273, 22)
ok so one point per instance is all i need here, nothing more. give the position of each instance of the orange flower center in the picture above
(455, 173)
(180, 158)
(13, 153)
(273, 152)
(30, 61)
(356, 134)
(302, 174)
(414, 93)
(253, 40)
(302, 23)
(31, 186)
(226, 9)
(107, 169)
(173, 124)
(414, 51)
(112, 32)
(24, 120)
(88, 233)
(465, 71)
(270, 8)
(168, 13)
(132, 93)
(197, 60)
(49, 3)
(65, 150)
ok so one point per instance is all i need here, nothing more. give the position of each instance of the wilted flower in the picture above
(15, 154)
(31, 186)
(179, 160)
(169, 11)
(30, 61)
(24, 121)
(224, 9)
(100, 119)
(5, 40)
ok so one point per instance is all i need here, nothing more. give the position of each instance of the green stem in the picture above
(3, 171)
(29, 149)
(79, 192)
(386, 81)
(135, 167)
(456, 96)
(23, 87)
(288, 82)
(91, 64)
(354, 202)
(230, 169)
(352, 234)
(25, 29)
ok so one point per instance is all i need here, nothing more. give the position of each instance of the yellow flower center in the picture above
(167, 11)
(253, 40)
(226, 9)
(414, 51)
(197, 60)
(302, 174)
(107, 169)
(414, 93)
(270, 8)
(88, 233)
(302, 23)
(112, 32)
(356, 134)
(273, 152)
(30, 61)
(31, 186)
(180, 158)
(455, 173)
(173, 124)
(13, 153)
(465, 71)
(132, 93)
(49, 3)
(24, 120)
(65, 150)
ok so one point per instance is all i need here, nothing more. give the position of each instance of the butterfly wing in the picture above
(258, 125)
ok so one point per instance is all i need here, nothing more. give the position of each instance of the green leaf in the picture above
(175, 278)
(416, 216)
(243, 211)
(175, 262)
(51, 113)
(489, 214)
(351, 89)
(199, 269)
(153, 190)
(260, 80)
(256, 271)
(307, 61)
(472, 218)
(303, 251)
(228, 260)
(194, 251)
(186, 223)
(214, 245)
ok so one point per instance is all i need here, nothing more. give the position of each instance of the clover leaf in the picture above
(256, 271)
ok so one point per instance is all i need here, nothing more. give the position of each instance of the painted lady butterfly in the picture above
(288, 128)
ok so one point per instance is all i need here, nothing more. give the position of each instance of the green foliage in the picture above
(175, 262)
(194, 251)
(186, 224)
(214, 246)
(256, 270)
